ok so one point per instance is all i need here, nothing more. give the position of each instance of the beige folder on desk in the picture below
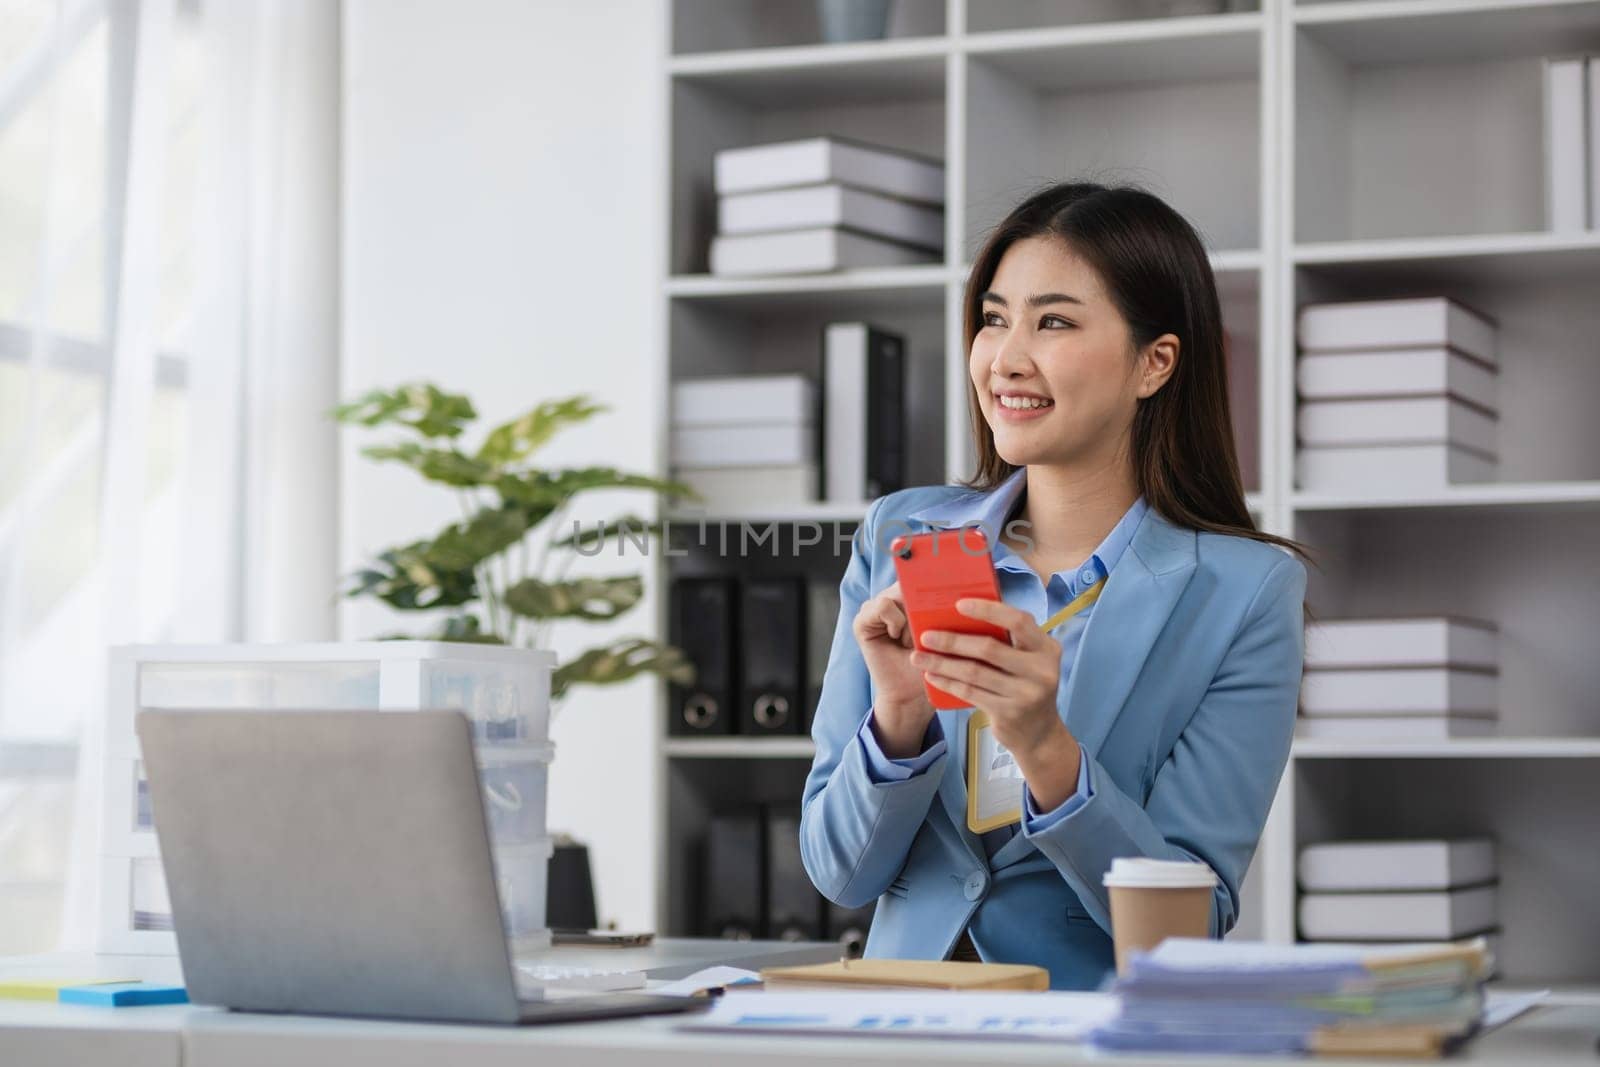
(908, 974)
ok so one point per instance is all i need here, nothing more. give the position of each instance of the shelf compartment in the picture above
(715, 112)
(1041, 115)
(1397, 145)
(713, 26)
(698, 789)
(1547, 322)
(782, 334)
(1531, 574)
(1367, 32)
(1538, 811)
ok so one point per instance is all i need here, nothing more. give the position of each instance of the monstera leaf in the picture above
(424, 408)
(404, 578)
(444, 465)
(467, 544)
(595, 599)
(621, 661)
(518, 439)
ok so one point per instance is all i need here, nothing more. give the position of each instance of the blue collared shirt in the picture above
(1020, 586)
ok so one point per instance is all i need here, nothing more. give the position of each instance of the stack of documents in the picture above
(1196, 995)
(746, 441)
(825, 204)
(1396, 394)
(1397, 890)
(1400, 679)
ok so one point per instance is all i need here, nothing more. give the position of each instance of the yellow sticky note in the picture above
(47, 988)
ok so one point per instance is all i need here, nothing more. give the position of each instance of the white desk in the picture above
(1564, 1032)
(44, 1033)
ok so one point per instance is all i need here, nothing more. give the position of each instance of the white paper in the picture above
(707, 978)
(1020, 1016)
(1501, 1008)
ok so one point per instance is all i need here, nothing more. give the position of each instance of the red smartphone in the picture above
(936, 570)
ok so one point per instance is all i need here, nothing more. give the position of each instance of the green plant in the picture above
(483, 570)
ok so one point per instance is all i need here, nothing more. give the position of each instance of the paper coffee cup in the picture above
(1152, 900)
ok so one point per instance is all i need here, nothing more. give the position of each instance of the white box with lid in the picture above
(504, 692)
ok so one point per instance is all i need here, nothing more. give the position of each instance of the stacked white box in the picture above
(825, 204)
(504, 692)
(1394, 678)
(746, 441)
(1395, 395)
(1401, 890)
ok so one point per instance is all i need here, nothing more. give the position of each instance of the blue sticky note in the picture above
(125, 995)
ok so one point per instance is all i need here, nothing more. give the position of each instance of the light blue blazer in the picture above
(1183, 696)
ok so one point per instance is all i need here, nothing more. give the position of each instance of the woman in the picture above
(1156, 720)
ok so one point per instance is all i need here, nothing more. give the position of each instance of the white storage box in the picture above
(1427, 322)
(1400, 372)
(135, 914)
(504, 691)
(1398, 916)
(1400, 691)
(743, 399)
(1388, 866)
(522, 875)
(516, 789)
(129, 828)
(724, 489)
(1426, 420)
(1368, 728)
(1389, 469)
(1420, 642)
(752, 445)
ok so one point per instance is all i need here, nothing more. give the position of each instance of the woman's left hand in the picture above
(1015, 684)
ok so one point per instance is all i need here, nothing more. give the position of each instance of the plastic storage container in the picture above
(522, 874)
(516, 788)
(505, 692)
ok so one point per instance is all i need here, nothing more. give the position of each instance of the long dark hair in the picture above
(1156, 271)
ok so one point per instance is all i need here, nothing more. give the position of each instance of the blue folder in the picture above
(125, 995)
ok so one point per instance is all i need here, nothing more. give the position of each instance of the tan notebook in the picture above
(907, 974)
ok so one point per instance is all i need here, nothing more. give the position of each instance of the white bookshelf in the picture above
(1326, 149)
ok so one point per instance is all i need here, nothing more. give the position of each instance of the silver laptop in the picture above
(338, 863)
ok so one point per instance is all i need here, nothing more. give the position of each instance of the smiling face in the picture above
(1053, 361)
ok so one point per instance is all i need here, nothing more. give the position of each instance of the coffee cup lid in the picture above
(1137, 872)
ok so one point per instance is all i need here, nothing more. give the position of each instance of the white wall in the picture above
(501, 228)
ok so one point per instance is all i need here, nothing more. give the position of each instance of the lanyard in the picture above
(994, 799)
(1079, 602)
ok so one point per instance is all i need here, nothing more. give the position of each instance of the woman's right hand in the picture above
(901, 710)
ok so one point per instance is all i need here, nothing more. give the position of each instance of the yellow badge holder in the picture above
(994, 782)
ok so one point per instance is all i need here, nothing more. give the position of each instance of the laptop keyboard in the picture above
(535, 979)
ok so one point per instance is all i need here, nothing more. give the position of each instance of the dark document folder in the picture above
(705, 625)
(774, 663)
